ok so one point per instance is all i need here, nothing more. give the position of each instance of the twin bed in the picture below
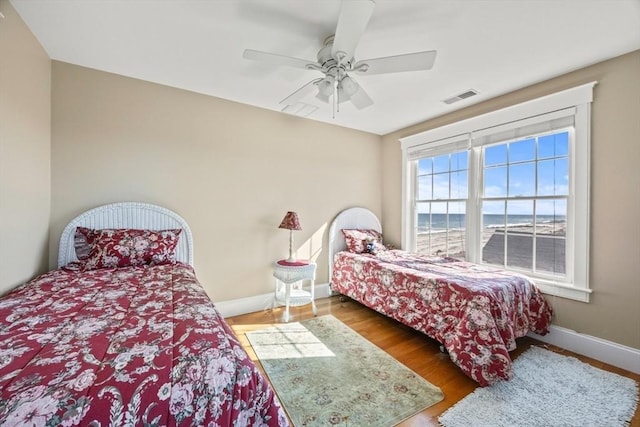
(125, 335)
(475, 311)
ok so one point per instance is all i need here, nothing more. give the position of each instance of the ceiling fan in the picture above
(336, 60)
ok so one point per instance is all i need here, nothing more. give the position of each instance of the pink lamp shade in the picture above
(290, 221)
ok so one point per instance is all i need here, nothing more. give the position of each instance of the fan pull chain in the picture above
(334, 104)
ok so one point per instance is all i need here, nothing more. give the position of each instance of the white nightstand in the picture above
(289, 277)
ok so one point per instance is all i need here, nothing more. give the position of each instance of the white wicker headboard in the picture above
(349, 218)
(127, 215)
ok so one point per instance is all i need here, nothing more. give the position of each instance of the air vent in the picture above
(299, 109)
(464, 95)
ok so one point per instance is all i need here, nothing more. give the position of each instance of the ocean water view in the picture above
(458, 221)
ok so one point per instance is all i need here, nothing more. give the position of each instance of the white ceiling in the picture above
(492, 46)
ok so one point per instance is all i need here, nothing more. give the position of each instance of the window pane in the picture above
(496, 155)
(436, 236)
(562, 177)
(423, 226)
(456, 237)
(425, 166)
(562, 144)
(546, 178)
(551, 226)
(553, 177)
(522, 179)
(551, 210)
(424, 187)
(556, 145)
(520, 250)
(439, 215)
(423, 216)
(520, 233)
(459, 161)
(493, 237)
(522, 150)
(459, 182)
(493, 214)
(441, 164)
(546, 147)
(495, 182)
(457, 217)
(550, 255)
(520, 213)
(441, 186)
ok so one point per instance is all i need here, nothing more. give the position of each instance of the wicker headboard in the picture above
(349, 218)
(127, 215)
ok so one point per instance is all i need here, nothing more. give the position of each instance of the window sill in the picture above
(563, 290)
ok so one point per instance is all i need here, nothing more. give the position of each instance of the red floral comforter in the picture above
(127, 346)
(475, 311)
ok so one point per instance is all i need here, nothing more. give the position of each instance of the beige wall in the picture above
(25, 134)
(613, 312)
(231, 170)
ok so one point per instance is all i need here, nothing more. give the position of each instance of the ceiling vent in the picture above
(464, 95)
(299, 109)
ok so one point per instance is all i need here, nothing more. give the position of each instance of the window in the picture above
(524, 204)
(509, 188)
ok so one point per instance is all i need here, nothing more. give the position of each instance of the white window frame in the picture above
(575, 101)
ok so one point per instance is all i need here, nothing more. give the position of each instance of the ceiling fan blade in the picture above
(396, 64)
(304, 91)
(361, 99)
(354, 17)
(275, 59)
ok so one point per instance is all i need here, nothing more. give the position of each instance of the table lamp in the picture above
(290, 222)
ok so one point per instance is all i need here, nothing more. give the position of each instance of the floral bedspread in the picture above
(128, 346)
(475, 311)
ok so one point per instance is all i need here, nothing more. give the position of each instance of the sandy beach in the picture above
(549, 248)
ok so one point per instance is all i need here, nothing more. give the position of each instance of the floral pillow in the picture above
(357, 239)
(80, 243)
(111, 248)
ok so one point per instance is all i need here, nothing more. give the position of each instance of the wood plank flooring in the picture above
(412, 348)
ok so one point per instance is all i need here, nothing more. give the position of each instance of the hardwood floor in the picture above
(412, 348)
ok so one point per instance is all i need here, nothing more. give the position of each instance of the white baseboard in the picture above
(605, 351)
(260, 302)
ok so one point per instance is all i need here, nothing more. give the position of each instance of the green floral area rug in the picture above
(326, 374)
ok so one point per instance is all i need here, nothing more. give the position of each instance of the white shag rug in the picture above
(548, 389)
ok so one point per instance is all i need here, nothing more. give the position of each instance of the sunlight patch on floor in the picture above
(288, 341)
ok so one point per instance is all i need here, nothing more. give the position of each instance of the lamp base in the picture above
(291, 258)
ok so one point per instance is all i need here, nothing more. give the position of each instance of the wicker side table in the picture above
(288, 283)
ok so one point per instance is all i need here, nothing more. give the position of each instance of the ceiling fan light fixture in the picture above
(349, 86)
(326, 86)
(343, 96)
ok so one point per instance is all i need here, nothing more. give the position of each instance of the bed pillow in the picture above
(125, 247)
(80, 243)
(357, 239)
